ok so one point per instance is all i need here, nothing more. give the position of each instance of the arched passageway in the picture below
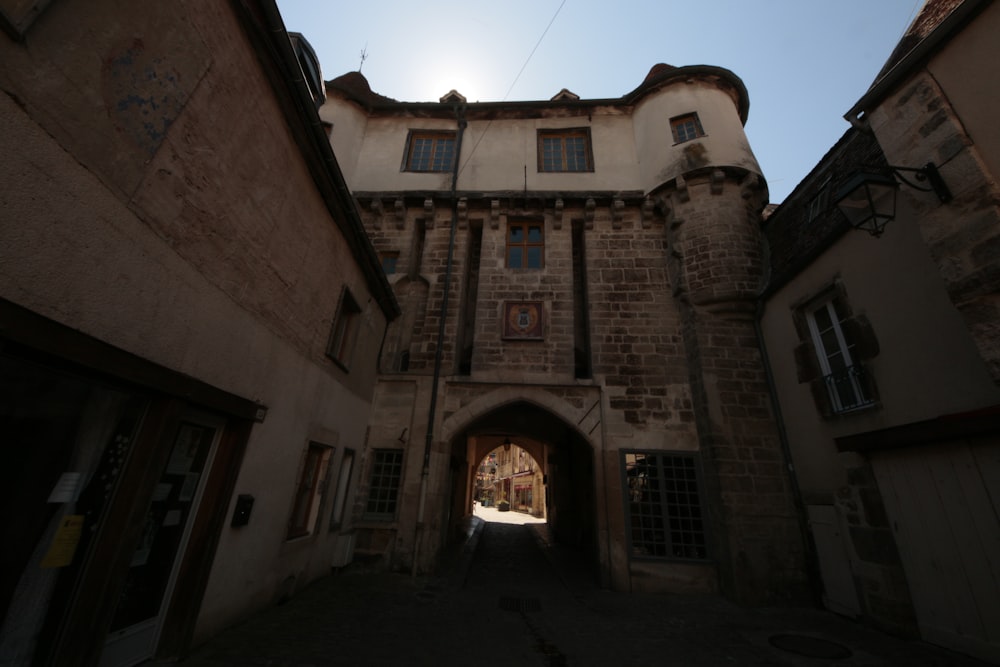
(566, 466)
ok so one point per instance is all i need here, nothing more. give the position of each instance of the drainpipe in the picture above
(811, 557)
(418, 531)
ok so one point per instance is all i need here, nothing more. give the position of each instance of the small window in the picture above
(309, 490)
(818, 203)
(686, 127)
(525, 245)
(340, 491)
(844, 377)
(430, 151)
(345, 330)
(383, 492)
(564, 150)
(663, 507)
(389, 260)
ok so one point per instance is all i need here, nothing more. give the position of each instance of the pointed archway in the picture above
(564, 454)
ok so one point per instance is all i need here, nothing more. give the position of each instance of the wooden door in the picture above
(943, 502)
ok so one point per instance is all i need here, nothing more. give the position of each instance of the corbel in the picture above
(558, 214)
(617, 213)
(749, 185)
(646, 212)
(588, 213)
(682, 189)
(429, 213)
(494, 214)
(377, 212)
(718, 180)
(463, 213)
(400, 209)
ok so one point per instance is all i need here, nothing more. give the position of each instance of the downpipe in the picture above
(419, 531)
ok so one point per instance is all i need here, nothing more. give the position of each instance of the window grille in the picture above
(383, 490)
(844, 378)
(663, 506)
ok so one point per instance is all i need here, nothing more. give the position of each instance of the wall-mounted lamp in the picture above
(867, 198)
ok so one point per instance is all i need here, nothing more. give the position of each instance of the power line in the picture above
(516, 78)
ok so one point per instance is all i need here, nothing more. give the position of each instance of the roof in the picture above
(936, 23)
(354, 86)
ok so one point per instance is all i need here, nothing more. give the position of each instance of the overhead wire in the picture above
(514, 83)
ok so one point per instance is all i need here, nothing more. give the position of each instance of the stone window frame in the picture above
(429, 151)
(344, 332)
(526, 244)
(568, 162)
(310, 488)
(857, 343)
(686, 127)
(385, 478)
(673, 523)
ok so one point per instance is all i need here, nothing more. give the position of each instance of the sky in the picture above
(804, 62)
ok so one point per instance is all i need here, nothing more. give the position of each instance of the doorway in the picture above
(153, 568)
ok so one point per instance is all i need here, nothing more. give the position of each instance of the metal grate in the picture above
(811, 647)
(520, 604)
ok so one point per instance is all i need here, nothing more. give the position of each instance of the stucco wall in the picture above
(196, 240)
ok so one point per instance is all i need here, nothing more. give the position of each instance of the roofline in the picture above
(266, 33)
(647, 87)
(940, 35)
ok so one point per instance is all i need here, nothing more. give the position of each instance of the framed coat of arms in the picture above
(523, 320)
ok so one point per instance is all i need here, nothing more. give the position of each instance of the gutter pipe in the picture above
(418, 531)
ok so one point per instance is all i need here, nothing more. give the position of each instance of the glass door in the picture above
(136, 625)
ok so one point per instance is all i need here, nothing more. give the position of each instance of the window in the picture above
(525, 245)
(345, 330)
(564, 150)
(309, 490)
(389, 260)
(663, 505)
(685, 128)
(430, 151)
(835, 350)
(383, 493)
(340, 492)
(818, 203)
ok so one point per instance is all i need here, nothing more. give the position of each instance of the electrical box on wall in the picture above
(241, 514)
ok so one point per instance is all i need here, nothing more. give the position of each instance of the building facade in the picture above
(578, 277)
(190, 314)
(884, 350)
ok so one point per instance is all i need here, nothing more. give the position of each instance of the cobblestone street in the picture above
(521, 601)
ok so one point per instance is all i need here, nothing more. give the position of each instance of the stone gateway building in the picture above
(578, 277)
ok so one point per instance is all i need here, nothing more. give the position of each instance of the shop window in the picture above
(309, 490)
(525, 245)
(383, 489)
(564, 150)
(663, 506)
(686, 127)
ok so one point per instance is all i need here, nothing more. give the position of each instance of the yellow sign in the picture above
(64, 543)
